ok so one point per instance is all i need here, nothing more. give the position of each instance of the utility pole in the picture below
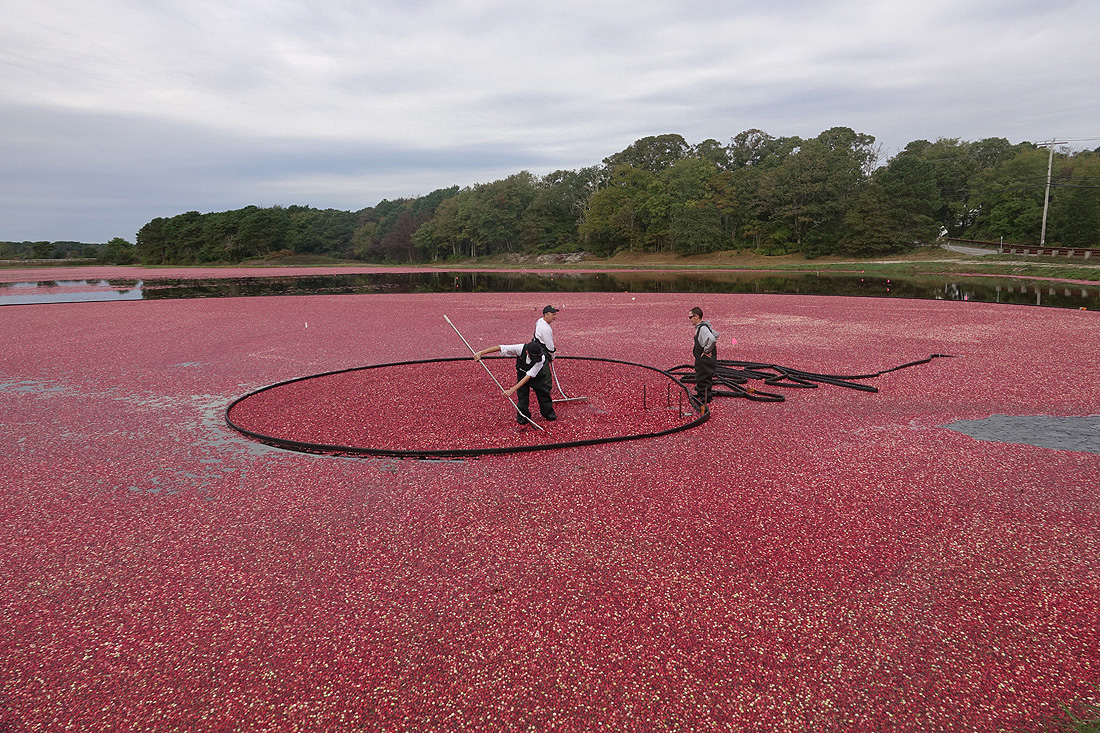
(1046, 196)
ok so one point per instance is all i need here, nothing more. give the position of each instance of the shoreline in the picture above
(139, 272)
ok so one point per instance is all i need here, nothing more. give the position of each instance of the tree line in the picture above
(118, 251)
(829, 194)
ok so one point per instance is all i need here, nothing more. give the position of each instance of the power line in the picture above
(1072, 140)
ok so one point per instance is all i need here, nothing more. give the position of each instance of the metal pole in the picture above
(471, 348)
(1046, 196)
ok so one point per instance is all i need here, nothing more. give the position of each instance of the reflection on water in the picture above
(69, 291)
(928, 287)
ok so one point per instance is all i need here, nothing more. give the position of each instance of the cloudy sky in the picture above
(115, 112)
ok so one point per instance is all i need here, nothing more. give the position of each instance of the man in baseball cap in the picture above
(543, 332)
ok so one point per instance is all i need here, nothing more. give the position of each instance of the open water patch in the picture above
(926, 287)
(1042, 431)
(69, 291)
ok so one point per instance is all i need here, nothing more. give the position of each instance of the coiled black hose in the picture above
(731, 378)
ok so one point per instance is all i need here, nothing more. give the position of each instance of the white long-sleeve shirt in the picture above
(516, 350)
(545, 334)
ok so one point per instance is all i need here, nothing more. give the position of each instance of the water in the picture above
(927, 287)
(69, 291)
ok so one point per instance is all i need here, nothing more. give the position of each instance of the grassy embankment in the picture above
(928, 261)
(925, 261)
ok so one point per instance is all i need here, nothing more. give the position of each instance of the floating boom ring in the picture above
(431, 409)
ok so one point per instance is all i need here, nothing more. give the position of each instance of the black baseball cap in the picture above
(549, 309)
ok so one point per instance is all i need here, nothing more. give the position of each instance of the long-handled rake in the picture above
(471, 348)
(564, 397)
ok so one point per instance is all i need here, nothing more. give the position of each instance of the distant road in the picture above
(961, 249)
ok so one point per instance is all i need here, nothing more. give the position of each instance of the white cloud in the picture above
(108, 102)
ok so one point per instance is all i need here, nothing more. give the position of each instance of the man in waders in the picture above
(530, 374)
(705, 350)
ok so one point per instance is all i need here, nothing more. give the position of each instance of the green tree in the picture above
(1008, 200)
(739, 196)
(757, 149)
(152, 242)
(868, 226)
(449, 233)
(552, 219)
(1074, 216)
(320, 231)
(713, 152)
(184, 240)
(893, 211)
(364, 236)
(118, 251)
(219, 237)
(808, 194)
(261, 231)
(682, 214)
(955, 166)
(617, 216)
(497, 211)
(652, 154)
(992, 152)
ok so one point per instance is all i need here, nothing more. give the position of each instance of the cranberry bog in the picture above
(842, 560)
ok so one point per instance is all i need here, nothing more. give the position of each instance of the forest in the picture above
(827, 195)
(118, 251)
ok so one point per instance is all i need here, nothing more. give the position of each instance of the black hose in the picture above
(734, 375)
(730, 378)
